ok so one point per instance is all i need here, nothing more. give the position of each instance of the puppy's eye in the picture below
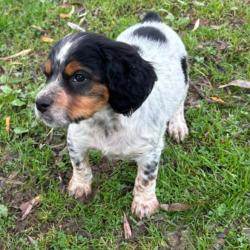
(79, 77)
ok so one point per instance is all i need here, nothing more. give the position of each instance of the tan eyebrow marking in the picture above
(74, 66)
(47, 68)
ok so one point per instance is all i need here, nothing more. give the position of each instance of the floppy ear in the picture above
(130, 79)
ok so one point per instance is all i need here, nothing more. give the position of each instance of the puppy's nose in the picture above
(43, 103)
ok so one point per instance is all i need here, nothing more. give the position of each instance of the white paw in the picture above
(177, 129)
(144, 208)
(78, 189)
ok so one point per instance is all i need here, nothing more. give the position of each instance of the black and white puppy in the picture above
(118, 97)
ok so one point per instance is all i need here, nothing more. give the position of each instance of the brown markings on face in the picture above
(74, 66)
(47, 68)
(85, 106)
(82, 106)
(61, 99)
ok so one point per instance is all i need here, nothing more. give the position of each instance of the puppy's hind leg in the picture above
(80, 183)
(177, 126)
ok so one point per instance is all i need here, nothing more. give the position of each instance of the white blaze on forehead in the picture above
(64, 51)
(62, 54)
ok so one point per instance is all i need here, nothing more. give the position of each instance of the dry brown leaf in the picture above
(126, 228)
(27, 206)
(196, 25)
(175, 207)
(217, 99)
(67, 15)
(46, 39)
(7, 124)
(21, 53)
(238, 83)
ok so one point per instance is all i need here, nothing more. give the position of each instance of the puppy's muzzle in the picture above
(43, 103)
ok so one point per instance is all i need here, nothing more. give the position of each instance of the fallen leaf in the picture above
(126, 228)
(238, 83)
(46, 39)
(217, 99)
(175, 207)
(7, 124)
(67, 15)
(21, 53)
(75, 26)
(196, 25)
(27, 206)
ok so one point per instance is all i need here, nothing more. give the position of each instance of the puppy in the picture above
(118, 97)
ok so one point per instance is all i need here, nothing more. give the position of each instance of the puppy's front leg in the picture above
(145, 202)
(80, 183)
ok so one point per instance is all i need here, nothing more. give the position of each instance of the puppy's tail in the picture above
(151, 17)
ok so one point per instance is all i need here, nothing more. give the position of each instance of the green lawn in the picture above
(210, 170)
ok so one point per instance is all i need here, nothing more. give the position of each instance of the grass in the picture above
(210, 170)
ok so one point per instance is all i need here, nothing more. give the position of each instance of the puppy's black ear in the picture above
(130, 79)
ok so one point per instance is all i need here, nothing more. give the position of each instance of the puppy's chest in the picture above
(119, 144)
(113, 139)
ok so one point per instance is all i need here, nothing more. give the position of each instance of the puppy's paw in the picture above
(177, 129)
(78, 189)
(144, 208)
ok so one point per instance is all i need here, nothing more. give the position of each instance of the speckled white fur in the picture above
(139, 137)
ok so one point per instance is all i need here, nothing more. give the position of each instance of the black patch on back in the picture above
(136, 48)
(184, 67)
(151, 16)
(150, 33)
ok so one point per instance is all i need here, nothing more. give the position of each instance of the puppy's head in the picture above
(85, 72)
